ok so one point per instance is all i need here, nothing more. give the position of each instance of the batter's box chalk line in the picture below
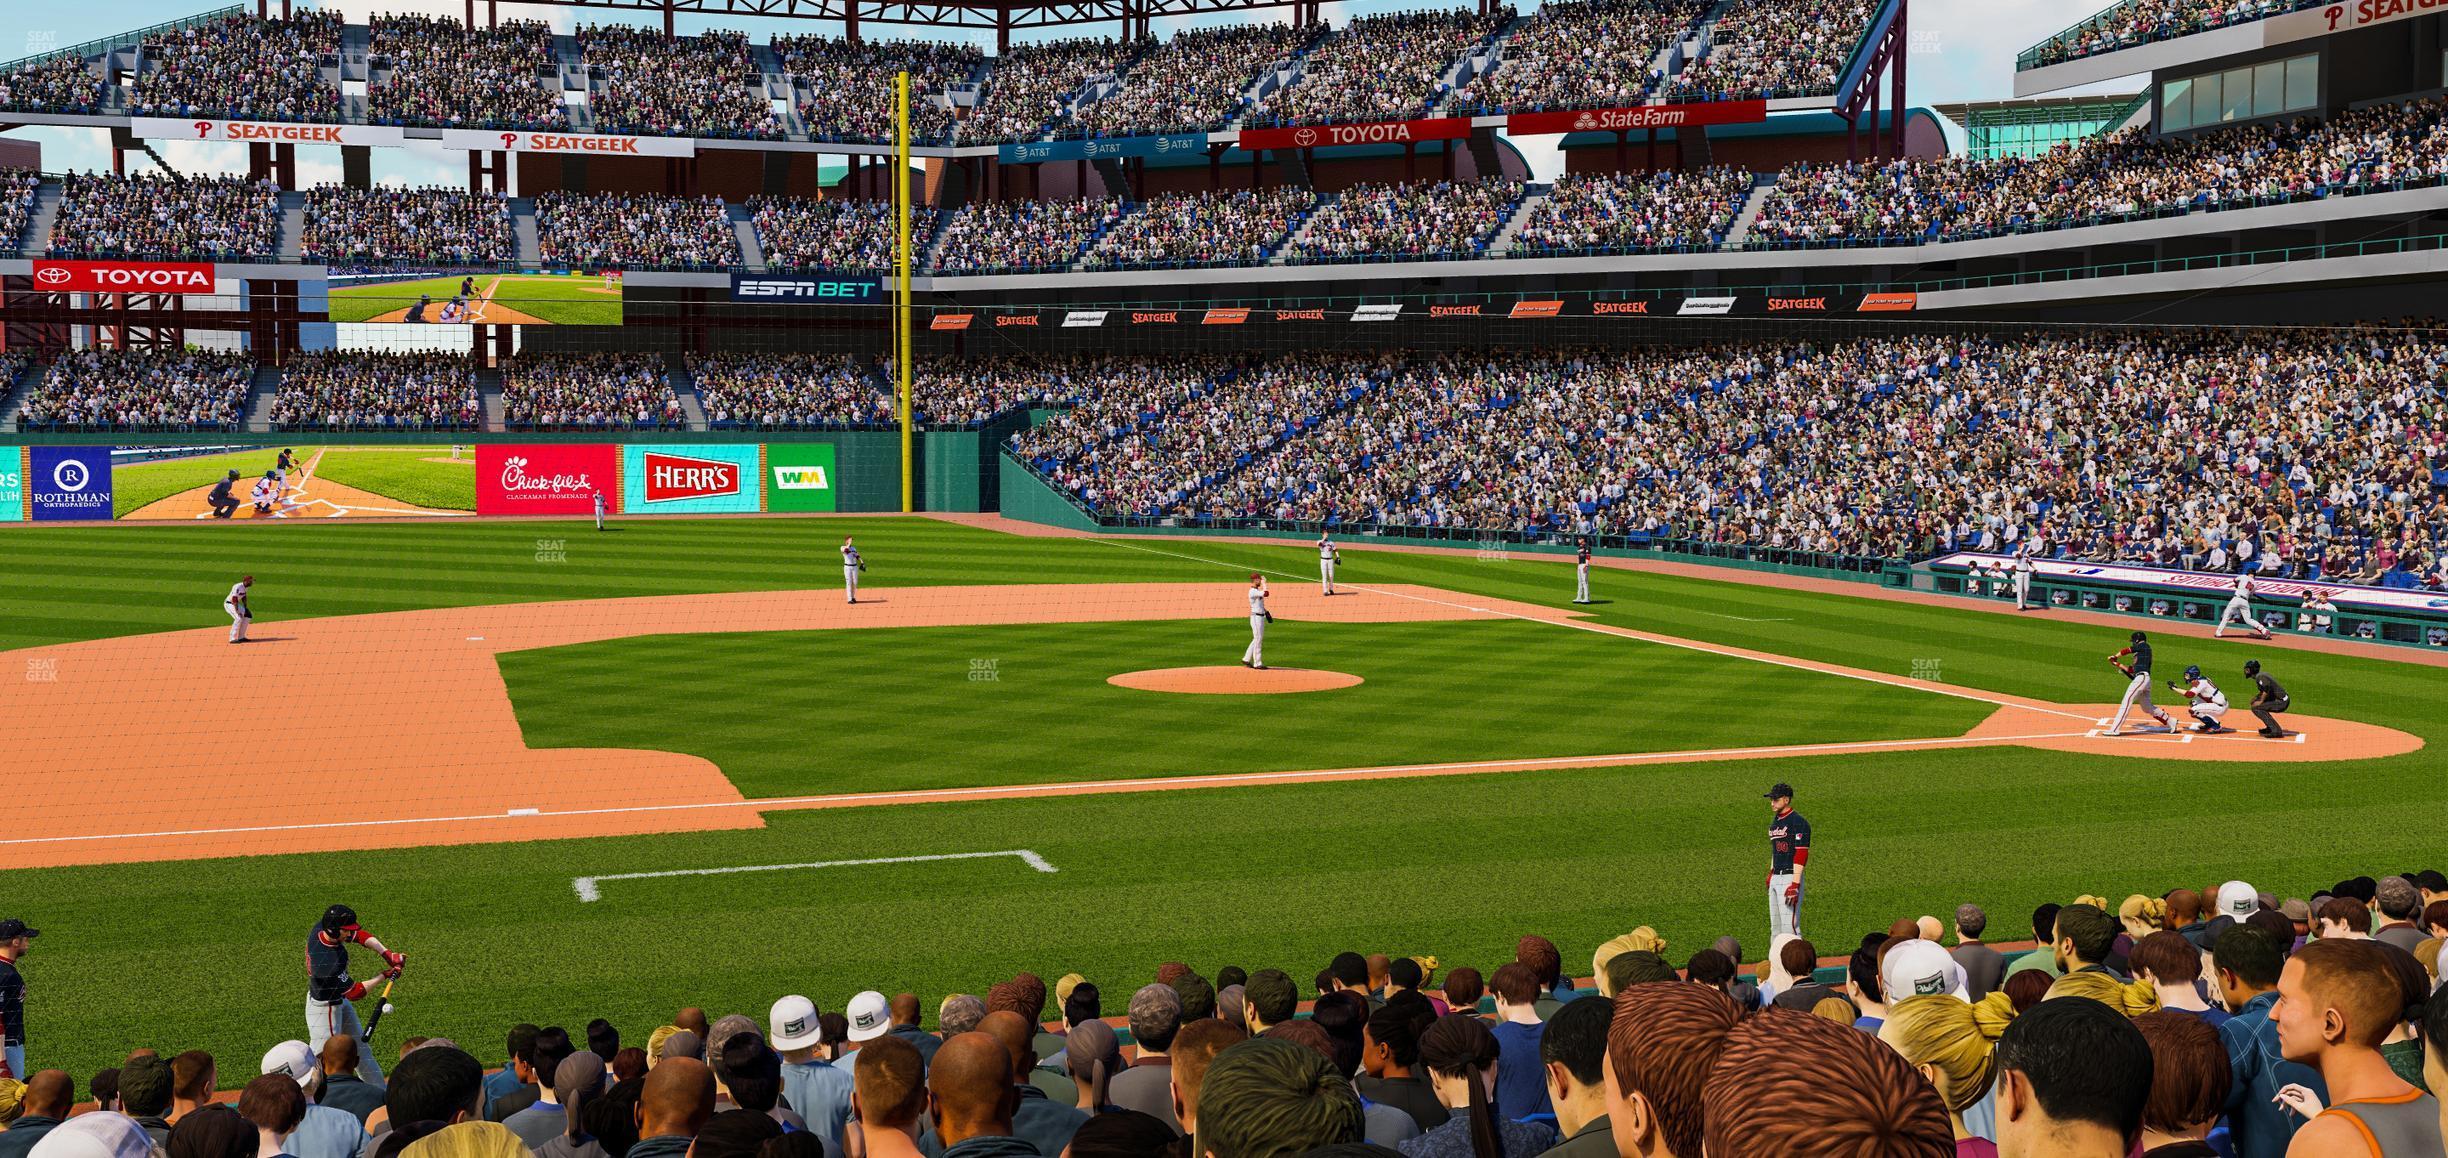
(589, 889)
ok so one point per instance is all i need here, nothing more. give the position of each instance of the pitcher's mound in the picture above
(1233, 681)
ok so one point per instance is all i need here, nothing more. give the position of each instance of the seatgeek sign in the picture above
(123, 277)
(701, 478)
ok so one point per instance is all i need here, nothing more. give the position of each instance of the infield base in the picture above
(1234, 681)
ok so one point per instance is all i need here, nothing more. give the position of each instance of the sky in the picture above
(1961, 50)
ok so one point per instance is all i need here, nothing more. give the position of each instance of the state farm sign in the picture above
(123, 277)
(1637, 117)
(1372, 133)
(535, 142)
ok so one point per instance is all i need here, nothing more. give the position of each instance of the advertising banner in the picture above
(123, 277)
(1084, 319)
(12, 484)
(69, 482)
(1155, 317)
(801, 474)
(265, 132)
(1637, 117)
(1225, 316)
(1167, 145)
(1372, 133)
(545, 479)
(1377, 312)
(1536, 309)
(709, 478)
(949, 322)
(539, 142)
(808, 288)
(1890, 303)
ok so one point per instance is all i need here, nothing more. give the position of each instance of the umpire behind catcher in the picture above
(223, 503)
(2269, 699)
(330, 994)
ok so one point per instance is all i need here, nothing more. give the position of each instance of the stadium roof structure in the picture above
(1003, 18)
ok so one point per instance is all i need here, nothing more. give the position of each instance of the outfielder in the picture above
(2206, 702)
(236, 604)
(2023, 568)
(330, 994)
(2137, 685)
(1253, 656)
(1581, 573)
(851, 566)
(2239, 609)
(1327, 558)
(599, 510)
(1788, 852)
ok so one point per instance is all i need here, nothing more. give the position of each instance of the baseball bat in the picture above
(381, 1007)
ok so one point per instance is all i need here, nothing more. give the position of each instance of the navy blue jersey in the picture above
(2141, 657)
(327, 975)
(12, 1007)
(1584, 555)
(1788, 842)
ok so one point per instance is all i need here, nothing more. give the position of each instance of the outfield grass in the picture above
(137, 485)
(402, 473)
(1434, 692)
(560, 301)
(205, 954)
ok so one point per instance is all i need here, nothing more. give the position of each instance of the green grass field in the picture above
(401, 472)
(137, 485)
(183, 955)
(559, 301)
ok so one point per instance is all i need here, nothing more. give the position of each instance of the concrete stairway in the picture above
(292, 236)
(1531, 200)
(1752, 205)
(1109, 171)
(37, 239)
(1291, 245)
(13, 394)
(259, 407)
(752, 248)
(489, 387)
(524, 244)
(684, 384)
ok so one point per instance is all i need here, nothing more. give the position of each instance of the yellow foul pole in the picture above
(902, 344)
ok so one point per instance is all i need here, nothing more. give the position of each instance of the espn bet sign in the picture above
(799, 476)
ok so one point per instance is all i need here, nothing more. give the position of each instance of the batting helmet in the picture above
(339, 917)
(2252, 667)
(2192, 671)
(2139, 637)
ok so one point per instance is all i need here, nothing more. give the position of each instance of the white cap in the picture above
(1919, 968)
(2238, 900)
(293, 1060)
(870, 1016)
(793, 1023)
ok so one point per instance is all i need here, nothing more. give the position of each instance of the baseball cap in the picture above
(2238, 900)
(293, 1060)
(1780, 789)
(793, 1021)
(2295, 909)
(1921, 968)
(13, 928)
(870, 1016)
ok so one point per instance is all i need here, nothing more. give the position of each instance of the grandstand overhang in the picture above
(1002, 19)
(2304, 27)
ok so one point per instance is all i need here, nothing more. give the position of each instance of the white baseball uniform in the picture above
(1326, 565)
(2316, 610)
(235, 603)
(266, 493)
(850, 571)
(2138, 691)
(2208, 702)
(1258, 621)
(599, 510)
(2239, 608)
(2023, 568)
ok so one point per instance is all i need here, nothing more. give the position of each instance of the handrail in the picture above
(2205, 21)
(1849, 78)
(126, 39)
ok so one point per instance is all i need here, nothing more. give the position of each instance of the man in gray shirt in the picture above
(1983, 966)
(1155, 1016)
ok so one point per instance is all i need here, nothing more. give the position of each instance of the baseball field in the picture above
(578, 774)
(501, 299)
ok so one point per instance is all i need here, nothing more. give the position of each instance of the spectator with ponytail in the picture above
(1460, 1053)
(1954, 1046)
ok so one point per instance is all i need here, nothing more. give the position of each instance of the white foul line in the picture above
(1646, 637)
(589, 890)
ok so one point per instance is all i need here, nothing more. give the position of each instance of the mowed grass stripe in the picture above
(795, 713)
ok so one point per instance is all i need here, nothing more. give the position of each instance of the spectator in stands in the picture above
(1022, 236)
(193, 1078)
(1952, 1044)
(648, 83)
(1573, 1052)
(1388, 67)
(274, 1105)
(48, 1098)
(675, 1103)
(2073, 1077)
(1195, 1048)
(144, 1092)
(2398, 902)
(1196, 82)
(1034, 1118)
(1177, 230)
(1766, 1093)
(1461, 1054)
(971, 1096)
(241, 66)
(906, 1026)
(1983, 966)
(1390, 1059)
(342, 1088)
(1765, 49)
(1863, 990)
(2343, 919)
(2249, 963)
(634, 231)
(436, 1084)
(1271, 998)
(1798, 988)
(213, 1131)
(196, 219)
(2190, 1079)
(2173, 968)
(1442, 221)
(430, 70)
(1520, 1092)
(1155, 1017)
(321, 1131)
(890, 1097)
(390, 224)
(2338, 1000)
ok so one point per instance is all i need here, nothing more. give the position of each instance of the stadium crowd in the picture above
(2213, 1023)
(789, 392)
(203, 218)
(1444, 220)
(2122, 174)
(1765, 49)
(589, 391)
(706, 85)
(1236, 227)
(139, 390)
(17, 190)
(1634, 212)
(1022, 236)
(635, 231)
(1034, 84)
(431, 70)
(2137, 22)
(849, 87)
(58, 84)
(1593, 54)
(835, 233)
(1378, 68)
(388, 223)
(239, 66)
(1196, 82)
(367, 391)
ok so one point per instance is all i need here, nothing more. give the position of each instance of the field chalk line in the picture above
(589, 889)
(1626, 633)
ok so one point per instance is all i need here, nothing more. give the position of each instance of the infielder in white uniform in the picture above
(851, 566)
(2207, 702)
(236, 605)
(2023, 568)
(1327, 557)
(1581, 574)
(1259, 618)
(2239, 609)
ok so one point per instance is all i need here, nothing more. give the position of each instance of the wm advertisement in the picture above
(704, 478)
(802, 476)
